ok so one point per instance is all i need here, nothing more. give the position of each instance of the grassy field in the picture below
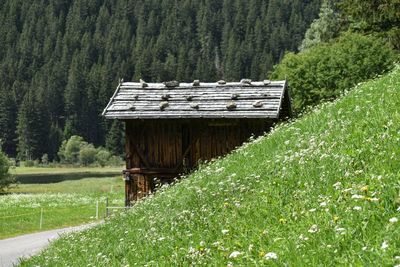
(42, 175)
(63, 204)
(51, 170)
(320, 191)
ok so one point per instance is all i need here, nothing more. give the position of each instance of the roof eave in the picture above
(150, 117)
(111, 100)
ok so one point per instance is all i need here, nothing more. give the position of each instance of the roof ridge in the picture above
(197, 83)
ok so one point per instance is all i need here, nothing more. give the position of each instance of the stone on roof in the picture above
(172, 100)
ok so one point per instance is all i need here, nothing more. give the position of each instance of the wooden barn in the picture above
(171, 126)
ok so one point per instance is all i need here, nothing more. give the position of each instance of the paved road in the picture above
(27, 245)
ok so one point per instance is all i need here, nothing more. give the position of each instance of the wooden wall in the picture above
(166, 148)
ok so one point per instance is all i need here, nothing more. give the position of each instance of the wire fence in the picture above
(41, 213)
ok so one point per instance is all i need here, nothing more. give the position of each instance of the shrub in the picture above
(87, 155)
(115, 161)
(324, 71)
(102, 156)
(29, 163)
(45, 159)
(77, 151)
(70, 149)
(5, 177)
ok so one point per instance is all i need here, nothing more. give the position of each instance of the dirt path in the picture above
(12, 249)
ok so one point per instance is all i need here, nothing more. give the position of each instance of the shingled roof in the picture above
(173, 100)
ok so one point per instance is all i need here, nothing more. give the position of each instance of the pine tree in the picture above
(29, 129)
(323, 29)
(115, 141)
(381, 17)
(75, 98)
(8, 118)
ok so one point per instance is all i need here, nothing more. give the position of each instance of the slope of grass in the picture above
(62, 204)
(323, 190)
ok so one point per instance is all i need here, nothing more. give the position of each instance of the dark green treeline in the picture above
(60, 60)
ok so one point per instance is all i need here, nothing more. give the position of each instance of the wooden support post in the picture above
(97, 210)
(106, 207)
(143, 186)
(41, 218)
(127, 192)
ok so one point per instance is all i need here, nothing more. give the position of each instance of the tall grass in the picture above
(322, 190)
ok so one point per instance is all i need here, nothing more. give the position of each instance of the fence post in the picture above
(41, 218)
(106, 207)
(97, 209)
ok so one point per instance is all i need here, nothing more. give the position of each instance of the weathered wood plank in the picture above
(206, 98)
(201, 109)
(212, 115)
(193, 92)
(216, 87)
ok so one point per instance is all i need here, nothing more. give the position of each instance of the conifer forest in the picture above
(60, 60)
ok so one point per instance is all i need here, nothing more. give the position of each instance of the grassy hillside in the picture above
(323, 190)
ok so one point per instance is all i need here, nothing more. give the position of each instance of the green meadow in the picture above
(322, 190)
(38, 207)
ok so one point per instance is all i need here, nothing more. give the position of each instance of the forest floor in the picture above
(38, 207)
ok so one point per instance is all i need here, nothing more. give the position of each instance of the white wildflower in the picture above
(355, 196)
(358, 171)
(357, 208)
(220, 169)
(340, 229)
(312, 210)
(393, 220)
(364, 248)
(235, 254)
(271, 256)
(313, 229)
(337, 185)
(224, 231)
(323, 204)
(302, 237)
(384, 245)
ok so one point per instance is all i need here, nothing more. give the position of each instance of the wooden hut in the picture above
(171, 126)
